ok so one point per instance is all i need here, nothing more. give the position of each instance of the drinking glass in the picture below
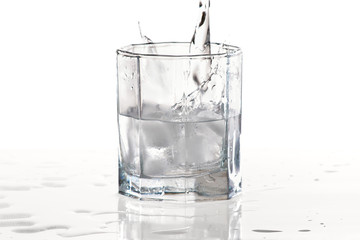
(179, 121)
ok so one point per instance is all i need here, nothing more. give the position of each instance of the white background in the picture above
(58, 68)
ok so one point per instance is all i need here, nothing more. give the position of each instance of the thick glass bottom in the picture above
(205, 187)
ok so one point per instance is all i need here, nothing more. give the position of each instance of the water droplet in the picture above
(39, 229)
(266, 231)
(9, 216)
(105, 213)
(16, 223)
(15, 188)
(53, 184)
(80, 234)
(82, 211)
(172, 231)
(54, 179)
(203, 17)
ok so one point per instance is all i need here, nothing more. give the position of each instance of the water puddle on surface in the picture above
(82, 211)
(81, 233)
(266, 231)
(16, 223)
(173, 231)
(106, 213)
(54, 179)
(8, 216)
(15, 188)
(53, 184)
(40, 229)
(4, 205)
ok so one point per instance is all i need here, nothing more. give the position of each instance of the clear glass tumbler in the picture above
(179, 118)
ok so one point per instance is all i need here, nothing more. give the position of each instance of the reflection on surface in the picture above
(286, 196)
(161, 220)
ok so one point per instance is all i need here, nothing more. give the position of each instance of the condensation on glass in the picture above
(179, 122)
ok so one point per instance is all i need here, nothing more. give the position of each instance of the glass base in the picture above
(206, 187)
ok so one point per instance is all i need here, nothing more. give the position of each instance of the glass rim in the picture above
(231, 51)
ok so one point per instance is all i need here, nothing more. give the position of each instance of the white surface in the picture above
(61, 194)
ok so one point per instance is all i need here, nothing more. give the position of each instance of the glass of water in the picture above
(179, 118)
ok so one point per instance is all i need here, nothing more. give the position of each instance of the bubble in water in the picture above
(209, 178)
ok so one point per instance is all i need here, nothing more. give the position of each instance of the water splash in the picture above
(144, 37)
(200, 41)
(200, 44)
